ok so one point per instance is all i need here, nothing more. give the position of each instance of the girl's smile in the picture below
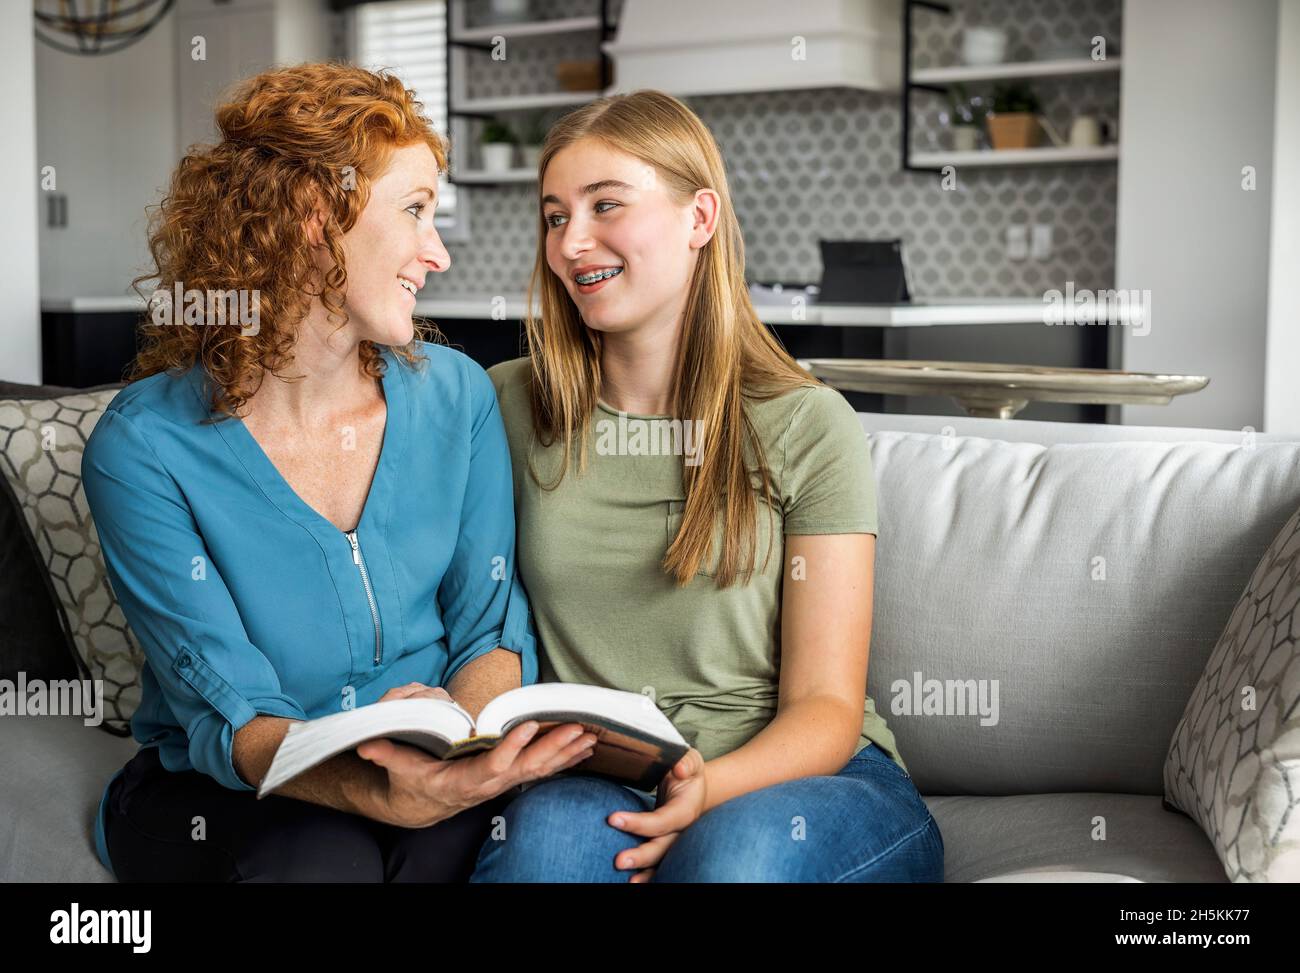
(591, 280)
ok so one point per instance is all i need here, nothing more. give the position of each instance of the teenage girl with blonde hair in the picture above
(730, 581)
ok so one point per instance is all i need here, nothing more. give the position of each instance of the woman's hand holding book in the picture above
(419, 790)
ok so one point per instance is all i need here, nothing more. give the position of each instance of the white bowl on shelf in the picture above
(983, 45)
(508, 11)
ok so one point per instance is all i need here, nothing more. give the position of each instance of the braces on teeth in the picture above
(598, 275)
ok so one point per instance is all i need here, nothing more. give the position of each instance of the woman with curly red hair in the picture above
(252, 489)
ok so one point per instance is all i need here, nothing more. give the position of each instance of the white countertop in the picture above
(924, 312)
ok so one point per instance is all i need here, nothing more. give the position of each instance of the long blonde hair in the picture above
(725, 355)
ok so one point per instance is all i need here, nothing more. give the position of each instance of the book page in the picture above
(431, 724)
(630, 709)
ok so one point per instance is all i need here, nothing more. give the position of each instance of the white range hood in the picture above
(691, 47)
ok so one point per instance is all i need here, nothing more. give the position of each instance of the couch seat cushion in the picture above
(989, 837)
(54, 770)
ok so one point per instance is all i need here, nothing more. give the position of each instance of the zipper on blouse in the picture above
(360, 562)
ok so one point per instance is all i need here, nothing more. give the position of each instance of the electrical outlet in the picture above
(56, 210)
(1017, 242)
(1041, 248)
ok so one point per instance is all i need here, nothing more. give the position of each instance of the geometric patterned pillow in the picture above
(41, 442)
(1234, 761)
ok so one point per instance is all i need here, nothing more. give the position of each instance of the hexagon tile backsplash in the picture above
(825, 163)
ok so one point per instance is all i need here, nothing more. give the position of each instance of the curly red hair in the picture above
(234, 213)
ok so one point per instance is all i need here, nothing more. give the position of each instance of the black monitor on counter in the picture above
(863, 272)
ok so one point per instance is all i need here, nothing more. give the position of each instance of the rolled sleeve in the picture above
(212, 678)
(483, 602)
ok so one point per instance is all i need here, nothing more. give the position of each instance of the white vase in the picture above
(965, 138)
(1085, 132)
(497, 156)
(530, 156)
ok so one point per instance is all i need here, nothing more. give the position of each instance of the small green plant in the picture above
(1015, 97)
(495, 131)
(965, 111)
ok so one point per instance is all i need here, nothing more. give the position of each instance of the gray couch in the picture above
(1048, 592)
(1085, 572)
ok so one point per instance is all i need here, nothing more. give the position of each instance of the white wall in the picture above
(20, 335)
(239, 43)
(107, 124)
(1197, 106)
(303, 31)
(1282, 390)
(114, 126)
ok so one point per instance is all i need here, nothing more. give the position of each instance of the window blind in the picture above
(409, 38)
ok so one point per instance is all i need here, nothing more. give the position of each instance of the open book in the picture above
(635, 743)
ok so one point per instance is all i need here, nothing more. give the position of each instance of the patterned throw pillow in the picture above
(41, 442)
(1234, 761)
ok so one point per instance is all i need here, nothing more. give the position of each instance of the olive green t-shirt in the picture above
(590, 554)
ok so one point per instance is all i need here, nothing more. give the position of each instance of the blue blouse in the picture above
(247, 601)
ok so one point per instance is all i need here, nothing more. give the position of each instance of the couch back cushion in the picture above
(61, 619)
(1042, 613)
(32, 635)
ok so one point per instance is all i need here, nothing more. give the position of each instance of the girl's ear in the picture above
(704, 212)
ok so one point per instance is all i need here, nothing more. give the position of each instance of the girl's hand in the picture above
(683, 796)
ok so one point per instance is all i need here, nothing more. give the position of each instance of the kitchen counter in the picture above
(924, 312)
(91, 340)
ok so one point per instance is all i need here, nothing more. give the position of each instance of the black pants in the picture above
(165, 826)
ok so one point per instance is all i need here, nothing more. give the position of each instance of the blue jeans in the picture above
(868, 823)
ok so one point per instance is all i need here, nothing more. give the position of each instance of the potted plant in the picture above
(1013, 122)
(534, 133)
(498, 146)
(965, 119)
